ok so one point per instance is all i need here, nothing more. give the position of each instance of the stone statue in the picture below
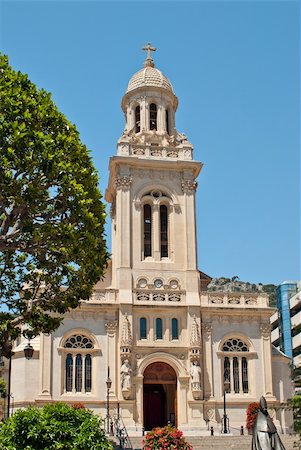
(195, 373)
(125, 375)
(265, 436)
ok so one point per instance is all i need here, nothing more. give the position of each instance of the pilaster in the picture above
(45, 366)
(265, 330)
(208, 364)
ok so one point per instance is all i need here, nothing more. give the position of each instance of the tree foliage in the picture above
(53, 427)
(52, 249)
(3, 389)
(296, 405)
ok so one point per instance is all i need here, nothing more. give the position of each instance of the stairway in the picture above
(219, 442)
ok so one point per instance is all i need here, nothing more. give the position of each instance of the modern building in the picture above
(170, 348)
(286, 321)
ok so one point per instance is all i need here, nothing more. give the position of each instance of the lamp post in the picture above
(225, 417)
(109, 384)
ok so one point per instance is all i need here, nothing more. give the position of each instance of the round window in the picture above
(142, 283)
(173, 284)
(158, 283)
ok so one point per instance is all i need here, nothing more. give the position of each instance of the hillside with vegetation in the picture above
(234, 284)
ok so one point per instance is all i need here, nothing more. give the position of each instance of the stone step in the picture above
(219, 442)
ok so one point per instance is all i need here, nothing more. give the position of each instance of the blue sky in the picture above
(235, 69)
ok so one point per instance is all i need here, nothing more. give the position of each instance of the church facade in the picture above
(170, 347)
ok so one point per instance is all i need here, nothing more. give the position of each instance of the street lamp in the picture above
(225, 417)
(109, 384)
(28, 349)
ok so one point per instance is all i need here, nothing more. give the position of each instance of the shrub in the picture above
(2, 388)
(169, 438)
(54, 427)
(252, 414)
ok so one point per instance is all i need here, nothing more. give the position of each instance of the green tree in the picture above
(296, 404)
(52, 249)
(53, 427)
(2, 388)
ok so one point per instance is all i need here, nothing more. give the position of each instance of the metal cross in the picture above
(149, 49)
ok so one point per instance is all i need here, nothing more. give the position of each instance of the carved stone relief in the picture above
(123, 182)
(189, 186)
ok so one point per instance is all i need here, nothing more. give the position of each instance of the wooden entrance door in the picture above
(154, 406)
(159, 395)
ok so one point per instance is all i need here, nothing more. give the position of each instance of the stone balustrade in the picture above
(238, 300)
(155, 296)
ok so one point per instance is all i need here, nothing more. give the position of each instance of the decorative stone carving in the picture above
(251, 300)
(207, 327)
(195, 338)
(234, 300)
(189, 186)
(98, 296)
(272, 413)
(113, 210)
(138, 205)
(156, 152)
(174, 297)
(195, 342)
(126, 334)
(265, 330)
(177, 208)
(172, 154)
(126, 378)
(138, 151)
(159, 297)
(209, 414)
(216, 298)
(123, 182)
(111, 326)
(187, 154)
(143, 296)
(195, 373)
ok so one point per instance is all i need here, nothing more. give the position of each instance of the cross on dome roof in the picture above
(149, 61)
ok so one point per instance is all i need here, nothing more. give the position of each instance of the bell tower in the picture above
(152, 190)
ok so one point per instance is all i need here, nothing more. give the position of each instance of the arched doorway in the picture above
(159, 395)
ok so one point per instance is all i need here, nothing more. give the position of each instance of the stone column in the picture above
(129, 118)
(139, 400)
(111, 329)
(145, 115)
(189, 187)
(45, 366)
(208, 363)
(183, 386)
(265, 330)
(240, 374)
(123, 209)
(156, 233)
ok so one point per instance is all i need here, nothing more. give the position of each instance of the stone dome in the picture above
(149, 76)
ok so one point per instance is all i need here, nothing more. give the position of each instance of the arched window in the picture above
(164, 231)
(69, 373)
(227, 374)
(236, 375)
(78, 373)
(174, 329)
(147, 223)
(88, 373)
(153, 116)
(167, 121)
(142, 328)
(78, 364)
(159, 329)
(244, 368)
(236, 366)
(137, 119)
